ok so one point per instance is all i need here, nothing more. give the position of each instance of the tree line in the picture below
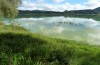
(72, 12)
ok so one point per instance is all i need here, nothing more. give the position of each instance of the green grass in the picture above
(20, 47)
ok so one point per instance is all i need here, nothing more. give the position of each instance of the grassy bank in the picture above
(20, 47)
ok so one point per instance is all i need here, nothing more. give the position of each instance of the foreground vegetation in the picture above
(20, 47)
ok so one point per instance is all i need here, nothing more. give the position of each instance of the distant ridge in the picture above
(97, 9)
(72, 12)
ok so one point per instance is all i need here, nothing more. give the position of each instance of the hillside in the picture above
(81, 12)
(20, 47)
(97, 9)
(48, 13)
(39, 12)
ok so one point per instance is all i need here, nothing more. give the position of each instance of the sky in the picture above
(58, 5)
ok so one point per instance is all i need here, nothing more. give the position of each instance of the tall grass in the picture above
(20, 47)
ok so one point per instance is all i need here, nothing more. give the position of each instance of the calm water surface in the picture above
(80, 29)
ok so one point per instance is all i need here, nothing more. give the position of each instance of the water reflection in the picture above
(80, 29)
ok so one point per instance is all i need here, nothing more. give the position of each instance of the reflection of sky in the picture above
(80, 29)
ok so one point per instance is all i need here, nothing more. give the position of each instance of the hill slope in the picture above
(97, 9)
(20, 47)
(72, 12)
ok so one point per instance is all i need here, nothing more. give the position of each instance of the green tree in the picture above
(8, 8)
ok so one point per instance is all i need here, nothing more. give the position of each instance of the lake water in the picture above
(80, 29)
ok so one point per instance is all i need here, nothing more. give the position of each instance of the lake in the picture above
(71, 28)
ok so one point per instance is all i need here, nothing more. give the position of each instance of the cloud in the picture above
(92, 4)
(41, 5)
(26, 5)
(58, 1)
(40, 0)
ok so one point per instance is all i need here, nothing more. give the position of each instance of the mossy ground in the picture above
(20, 47)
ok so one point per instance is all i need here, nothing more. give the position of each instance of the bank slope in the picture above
(20, 47)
